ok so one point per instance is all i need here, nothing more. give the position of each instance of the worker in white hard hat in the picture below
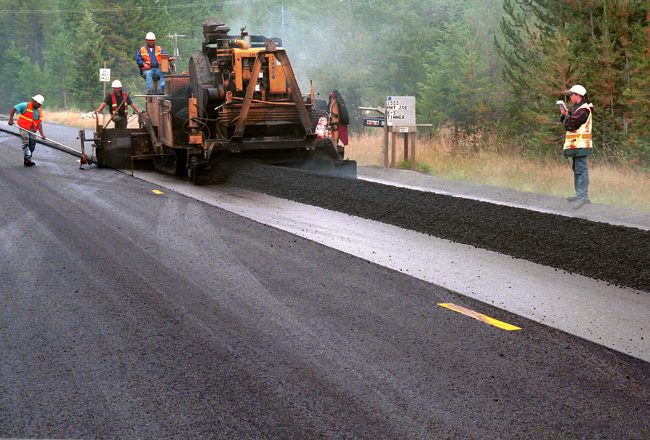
(148, 59)
(117, 101)
(30, 118)
(578, 141)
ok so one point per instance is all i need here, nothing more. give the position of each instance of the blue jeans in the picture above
(581, 177)
(148, 77)
(29, 143)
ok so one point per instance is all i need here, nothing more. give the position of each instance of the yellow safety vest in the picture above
(581, 138)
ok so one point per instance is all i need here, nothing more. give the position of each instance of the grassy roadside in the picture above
(75, 119)
(502, 167)
(493, 164)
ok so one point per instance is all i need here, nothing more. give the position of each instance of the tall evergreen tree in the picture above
(87, 60)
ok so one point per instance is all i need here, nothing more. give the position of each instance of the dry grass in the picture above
(493, 164)
(502, 166)
(74, 119)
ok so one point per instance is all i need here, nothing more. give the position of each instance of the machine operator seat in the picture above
(167, 65)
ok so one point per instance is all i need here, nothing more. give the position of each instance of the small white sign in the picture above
(105, 75)
(400, 111)
(403, 129)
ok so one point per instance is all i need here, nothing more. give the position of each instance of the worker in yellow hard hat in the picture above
(30, 117)
(117, 101)
(148, 59)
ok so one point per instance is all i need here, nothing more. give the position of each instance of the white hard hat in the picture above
(150, 36)
(578, 90)
(116, 84)
(38, 98)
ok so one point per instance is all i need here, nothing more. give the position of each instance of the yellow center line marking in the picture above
(157, 191)
(479, 316)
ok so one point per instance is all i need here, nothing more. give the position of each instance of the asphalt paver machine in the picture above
(239, 100)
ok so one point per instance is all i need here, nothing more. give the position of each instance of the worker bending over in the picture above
(30, 118)
(148, 59)
(117, 101)
(339, 118)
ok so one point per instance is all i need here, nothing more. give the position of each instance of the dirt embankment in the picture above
(615, 254)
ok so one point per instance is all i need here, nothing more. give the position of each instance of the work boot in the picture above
(572, 198)
(29, 163)
(581, 202)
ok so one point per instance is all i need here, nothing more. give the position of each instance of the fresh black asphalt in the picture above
(616, 254)
(127, 314)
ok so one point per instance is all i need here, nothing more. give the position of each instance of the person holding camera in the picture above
(578, 141)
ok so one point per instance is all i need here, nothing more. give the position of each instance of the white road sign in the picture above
(105, 75)
(400, 111)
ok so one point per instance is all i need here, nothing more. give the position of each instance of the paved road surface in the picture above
(131, 314)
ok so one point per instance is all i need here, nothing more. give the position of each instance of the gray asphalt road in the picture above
(131, 314)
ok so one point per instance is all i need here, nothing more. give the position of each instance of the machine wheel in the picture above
(195, 168)
(173, 163)
(191, 169)
(200, 79)
(181, 162)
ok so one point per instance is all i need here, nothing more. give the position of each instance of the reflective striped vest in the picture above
(115, 108)
(581, 138)
(26, 120)
(144, 53)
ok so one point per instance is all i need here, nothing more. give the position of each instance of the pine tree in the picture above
(87, 60)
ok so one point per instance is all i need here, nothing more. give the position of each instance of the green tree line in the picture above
(473, 64)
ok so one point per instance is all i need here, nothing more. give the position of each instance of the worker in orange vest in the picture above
(148, 59)
(117, 101)
(30, 119)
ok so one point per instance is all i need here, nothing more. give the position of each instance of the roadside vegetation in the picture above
(493, 161)
(83, 120)
(484, 159)
(476, 67)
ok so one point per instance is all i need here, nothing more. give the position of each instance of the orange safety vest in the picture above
(26, 120)
(115, 107)
(144, 53)
(581, 138)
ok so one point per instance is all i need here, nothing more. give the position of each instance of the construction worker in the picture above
(148, 59)
(577, 141)
(117, 101)
(30, 119)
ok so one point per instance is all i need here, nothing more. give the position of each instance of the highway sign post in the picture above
(104, 76)
(400, 118)
(400, 111)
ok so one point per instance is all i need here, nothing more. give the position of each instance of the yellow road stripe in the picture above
(157, 191)
(479, 316)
